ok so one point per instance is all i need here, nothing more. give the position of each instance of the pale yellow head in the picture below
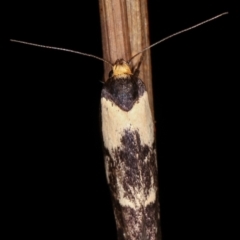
(121, 69)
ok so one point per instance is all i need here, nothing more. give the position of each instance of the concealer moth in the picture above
(129, 148)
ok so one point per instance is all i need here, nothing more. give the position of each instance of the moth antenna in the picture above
(61, 49)
(177, 33)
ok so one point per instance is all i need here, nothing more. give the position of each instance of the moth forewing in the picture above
(130, 153)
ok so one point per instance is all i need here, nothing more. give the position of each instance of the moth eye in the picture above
(110, 74)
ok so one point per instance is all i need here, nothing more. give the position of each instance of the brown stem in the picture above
(125, 32)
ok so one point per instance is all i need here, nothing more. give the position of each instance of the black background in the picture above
(55, 177)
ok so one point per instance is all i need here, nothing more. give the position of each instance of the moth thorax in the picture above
(121, 69)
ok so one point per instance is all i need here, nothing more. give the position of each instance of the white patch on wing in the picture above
(115, 121)
(106, 168)
(151, 197)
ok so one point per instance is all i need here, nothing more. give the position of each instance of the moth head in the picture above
(121, 69)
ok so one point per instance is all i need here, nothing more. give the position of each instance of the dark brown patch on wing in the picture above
(138, 162)
(124, 92)
(152, 221)
(133, 167)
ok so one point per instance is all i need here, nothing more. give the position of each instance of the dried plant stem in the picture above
(125, 32)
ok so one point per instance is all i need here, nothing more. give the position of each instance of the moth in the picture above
(129, 147)
(130, 153)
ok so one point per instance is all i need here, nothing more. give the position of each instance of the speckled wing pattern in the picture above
(130, 157)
